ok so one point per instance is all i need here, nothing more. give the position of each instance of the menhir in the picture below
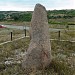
(39, 52)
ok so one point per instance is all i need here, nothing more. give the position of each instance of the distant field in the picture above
(63, 20)
(17, 23)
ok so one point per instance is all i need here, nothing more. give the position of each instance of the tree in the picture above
(15, 16)
(2, 17)
(21, 17)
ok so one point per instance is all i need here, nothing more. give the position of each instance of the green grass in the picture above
(5, 34)
(62, 62)
(64, 35)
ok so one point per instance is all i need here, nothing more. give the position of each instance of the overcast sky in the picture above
(28, 5)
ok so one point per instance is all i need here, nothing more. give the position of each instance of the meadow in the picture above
(63, 52)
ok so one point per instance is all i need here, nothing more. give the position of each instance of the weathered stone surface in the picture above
(39, 52)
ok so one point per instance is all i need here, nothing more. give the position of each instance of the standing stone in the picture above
(39, 52)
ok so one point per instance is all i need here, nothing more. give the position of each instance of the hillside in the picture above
(54, 16)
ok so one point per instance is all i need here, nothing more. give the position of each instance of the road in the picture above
(27, 28)
(16, 27)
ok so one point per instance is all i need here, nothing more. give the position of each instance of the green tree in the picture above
(21, 16)
(2, 17)
(15, 16)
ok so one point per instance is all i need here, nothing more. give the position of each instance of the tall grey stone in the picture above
(39, 52)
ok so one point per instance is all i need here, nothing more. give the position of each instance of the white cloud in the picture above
(13, 8)
(25, 5)
(61, 4)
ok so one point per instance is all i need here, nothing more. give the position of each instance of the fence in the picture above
(15, 34)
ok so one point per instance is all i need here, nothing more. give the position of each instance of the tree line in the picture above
(54, 14)
(26, 16)
(16, 16)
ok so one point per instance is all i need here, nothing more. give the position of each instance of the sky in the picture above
(28, 5)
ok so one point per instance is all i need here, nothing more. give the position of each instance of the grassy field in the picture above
(63, 62)
(64, 35)
(5, 34)
(18, 23)
(63, 52)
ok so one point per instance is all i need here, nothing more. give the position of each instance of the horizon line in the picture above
(33, 10)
